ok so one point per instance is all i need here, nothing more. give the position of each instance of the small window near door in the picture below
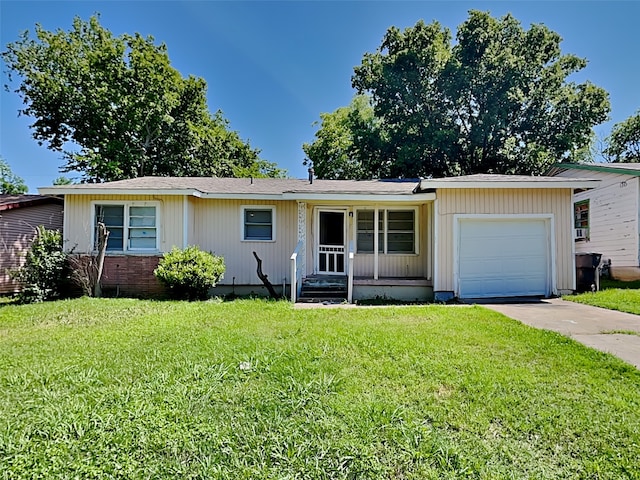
(581, 211)
(258, 224)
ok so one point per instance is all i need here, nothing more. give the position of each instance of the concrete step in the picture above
(323, 300)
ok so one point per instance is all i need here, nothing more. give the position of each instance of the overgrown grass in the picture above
(613, 295)
(255, 389)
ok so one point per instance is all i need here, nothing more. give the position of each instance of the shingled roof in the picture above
(400, 189)
(248, 186)
(8, 202)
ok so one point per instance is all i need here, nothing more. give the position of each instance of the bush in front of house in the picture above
(45, 271)
(189, 273)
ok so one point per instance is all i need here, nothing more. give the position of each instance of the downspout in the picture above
(376, 216)
(436, 251)
(185, 221)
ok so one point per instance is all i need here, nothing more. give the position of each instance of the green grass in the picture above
(621, 332)
(260, 390)
(613, 295)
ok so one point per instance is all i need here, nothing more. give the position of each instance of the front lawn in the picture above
(613, 295)
(256, 389)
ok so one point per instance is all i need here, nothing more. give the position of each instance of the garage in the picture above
(504, 257)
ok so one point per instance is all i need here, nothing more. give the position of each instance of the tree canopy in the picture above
(623, 145)
(10, 183)
(116, 108)
(498, 100)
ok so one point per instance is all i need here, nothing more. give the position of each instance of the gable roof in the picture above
(9, 202)
(632, 169)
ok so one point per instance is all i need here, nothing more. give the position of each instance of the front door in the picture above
(330, 242)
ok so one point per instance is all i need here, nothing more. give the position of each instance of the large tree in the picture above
(116, 108)
(347, 143)
(10, 183)
(498, 100)
(623, 145)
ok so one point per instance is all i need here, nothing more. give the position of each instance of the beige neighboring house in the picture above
(607, 218)
(19, 217)
(470, 237)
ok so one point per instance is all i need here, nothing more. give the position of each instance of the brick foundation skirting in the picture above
(131, 276)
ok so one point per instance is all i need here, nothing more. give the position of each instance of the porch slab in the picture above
(393, 281)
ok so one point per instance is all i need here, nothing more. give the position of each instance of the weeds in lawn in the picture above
(95, 388)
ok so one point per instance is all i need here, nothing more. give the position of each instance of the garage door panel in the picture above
(499, 258)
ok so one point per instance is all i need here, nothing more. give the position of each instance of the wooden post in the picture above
(103, 236)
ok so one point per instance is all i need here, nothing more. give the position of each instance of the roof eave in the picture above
(117, 191)
(583, 184)
(592, 167)
(361, 197)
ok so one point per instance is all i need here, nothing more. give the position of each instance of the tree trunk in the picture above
(103, 236)
(264, 278)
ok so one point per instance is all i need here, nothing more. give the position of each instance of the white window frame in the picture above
(125, 233)
(385, 229)
(581, 233)
(244, 208)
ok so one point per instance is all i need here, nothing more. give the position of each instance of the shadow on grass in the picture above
(607, 284)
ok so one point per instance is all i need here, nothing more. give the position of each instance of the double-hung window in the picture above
(258, 223)
(131, 226)
(396, 231)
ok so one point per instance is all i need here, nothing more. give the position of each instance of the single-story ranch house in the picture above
(469, 237)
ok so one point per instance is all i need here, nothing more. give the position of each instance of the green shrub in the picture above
(45, 272)
(190, 273)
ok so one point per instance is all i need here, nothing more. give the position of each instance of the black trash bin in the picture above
(587, 272)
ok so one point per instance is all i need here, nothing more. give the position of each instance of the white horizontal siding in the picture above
(391, 265)
(217, 227)
(613, 217)
(554, 202)
(78, 217)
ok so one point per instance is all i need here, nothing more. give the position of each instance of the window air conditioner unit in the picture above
(582, 233)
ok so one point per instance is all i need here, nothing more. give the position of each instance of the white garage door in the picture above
(503, 258)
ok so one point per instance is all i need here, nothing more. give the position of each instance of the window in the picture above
(396, 231)
(581, 211)
(131, 226)
(257, 224)
(365, 231)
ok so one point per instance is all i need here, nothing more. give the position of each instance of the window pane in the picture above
(114, 241)
(258, 224)
(142, 233)
(401, 232)
(257, 232)
(365, 231)
(113, 218)
(142, 227)
(142, 242)
(364, 242)
(110, 215)
(400, 242)
(142, 216)
(257, 216)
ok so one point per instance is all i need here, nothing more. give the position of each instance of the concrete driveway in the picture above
(586, 324)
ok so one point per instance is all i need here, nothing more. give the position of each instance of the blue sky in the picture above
(273, 67)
